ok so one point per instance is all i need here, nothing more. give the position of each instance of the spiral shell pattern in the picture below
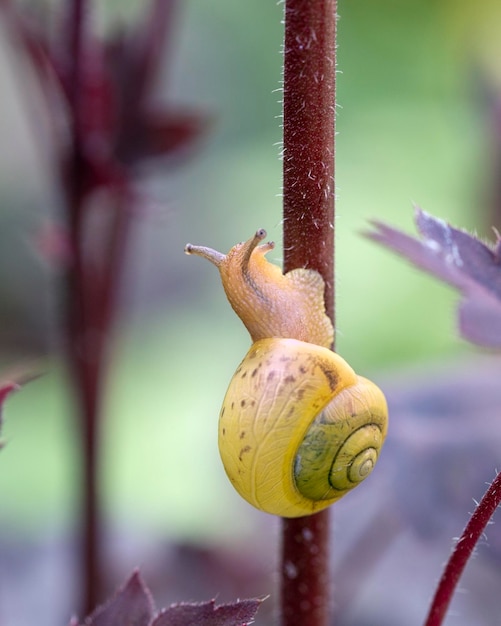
(342, 445)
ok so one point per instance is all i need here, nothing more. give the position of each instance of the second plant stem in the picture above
(462, 552)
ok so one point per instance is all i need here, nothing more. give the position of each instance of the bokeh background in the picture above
(419, 95)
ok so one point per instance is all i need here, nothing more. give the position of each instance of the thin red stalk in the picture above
(462, 552)
(91, 307)
(308, 190)
(85, 351)
(85, 359)
(76, 44)
(94, 275)
(118, 237)
(87, 374)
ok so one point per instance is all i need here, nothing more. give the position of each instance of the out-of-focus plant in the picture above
(463, 261)
(105, 124)
(474, 268)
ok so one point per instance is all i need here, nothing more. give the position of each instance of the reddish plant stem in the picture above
(308, 159)
(86, 370)
(462, 552)
(76, 44)
(308, 190)
(305, 593)
(91, 293)
(85, 352)
(85, 340)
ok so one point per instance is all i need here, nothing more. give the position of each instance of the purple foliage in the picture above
(461, 260)
(133, 605)
(237, 613)
(474, 268)
(105, 124)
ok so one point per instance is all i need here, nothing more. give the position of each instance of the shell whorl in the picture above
(342, 445)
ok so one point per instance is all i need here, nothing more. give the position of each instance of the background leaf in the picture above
(131, 606)
(461, 260)
(238, 613)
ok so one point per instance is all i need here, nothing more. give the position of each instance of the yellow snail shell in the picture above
(298, 428)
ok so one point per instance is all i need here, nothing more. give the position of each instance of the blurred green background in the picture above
(416, 84)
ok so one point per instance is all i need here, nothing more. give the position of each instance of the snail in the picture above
(298, 428)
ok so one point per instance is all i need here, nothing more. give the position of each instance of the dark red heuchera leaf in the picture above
(238, 613)
(133, 605)
(463, 261)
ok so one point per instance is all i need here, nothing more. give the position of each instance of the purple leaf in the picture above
(239, 613)
(6, 388)
(166, 132)
(145, 128)
(461, 260)
(132, 605)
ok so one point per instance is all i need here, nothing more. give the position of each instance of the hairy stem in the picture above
(308, 212)
(462, 552)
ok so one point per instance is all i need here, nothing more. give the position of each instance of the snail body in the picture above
(298, 428)
(269, 303)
